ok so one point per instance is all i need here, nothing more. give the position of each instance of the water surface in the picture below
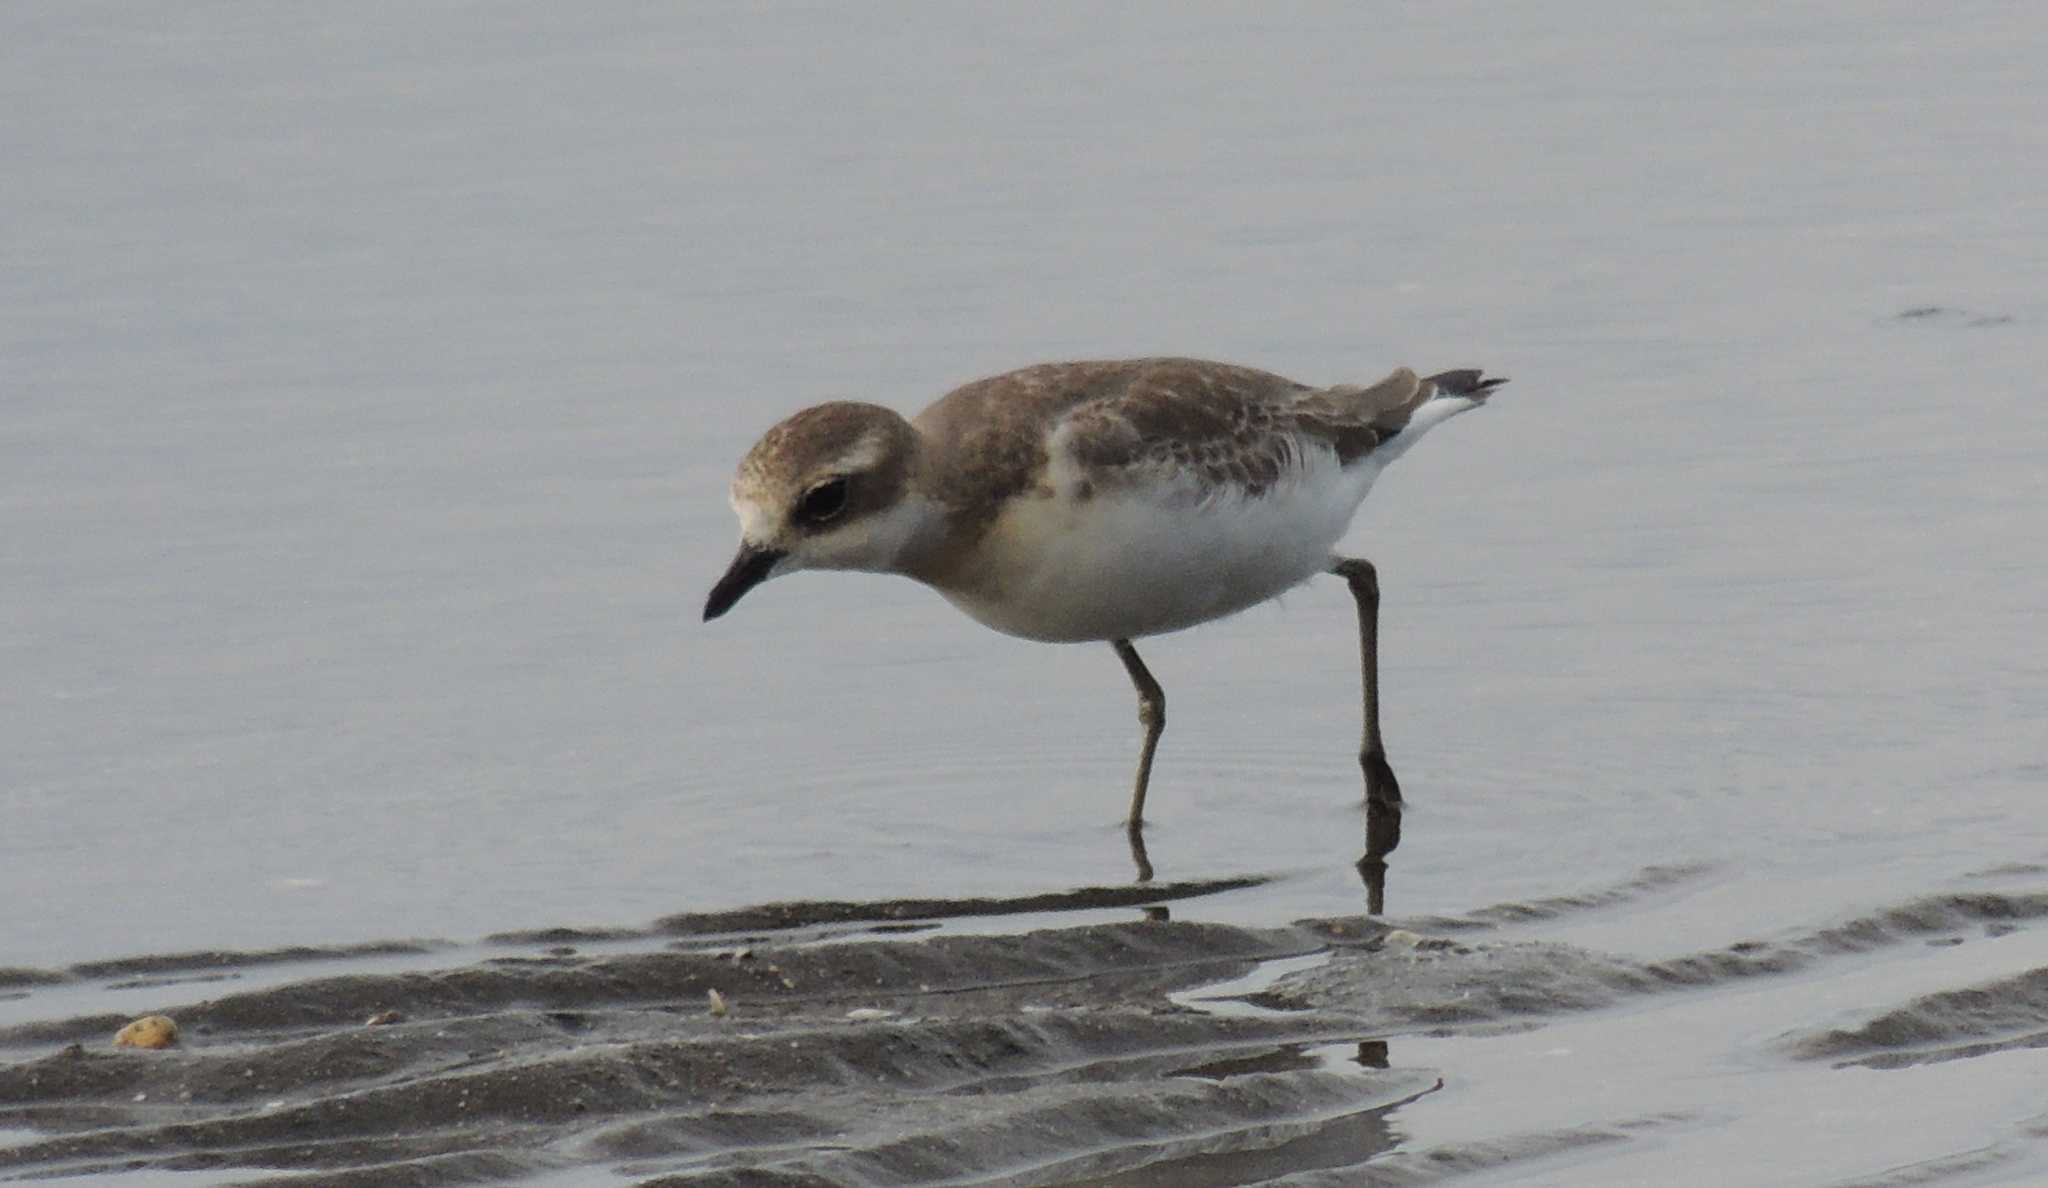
(372, 383)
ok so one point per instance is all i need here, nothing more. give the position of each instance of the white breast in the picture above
(1096, 561)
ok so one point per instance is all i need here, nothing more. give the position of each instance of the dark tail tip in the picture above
(1469, 382)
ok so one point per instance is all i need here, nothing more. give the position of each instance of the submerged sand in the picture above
(829, 1044)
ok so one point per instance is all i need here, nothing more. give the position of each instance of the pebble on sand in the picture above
(150, 1031)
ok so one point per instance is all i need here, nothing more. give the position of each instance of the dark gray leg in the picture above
(1382, 791)
(1152, 716)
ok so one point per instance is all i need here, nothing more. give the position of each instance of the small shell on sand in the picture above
(150, 1031)
(717, 1002)
(384, 1019)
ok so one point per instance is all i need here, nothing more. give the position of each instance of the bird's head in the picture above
(828, 488)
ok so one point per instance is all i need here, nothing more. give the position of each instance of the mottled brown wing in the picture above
(1230, 426)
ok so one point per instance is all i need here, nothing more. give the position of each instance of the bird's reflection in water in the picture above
(1372, 871)
(1382, 829)
(1382, 834)
(1135, 832)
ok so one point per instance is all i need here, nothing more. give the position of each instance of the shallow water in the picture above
(827, 1044)
(372, 387)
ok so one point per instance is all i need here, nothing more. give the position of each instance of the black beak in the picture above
(748, 570)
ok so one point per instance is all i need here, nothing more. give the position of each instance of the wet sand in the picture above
(883, 1044)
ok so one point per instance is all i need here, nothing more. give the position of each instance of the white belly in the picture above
(1135, 562)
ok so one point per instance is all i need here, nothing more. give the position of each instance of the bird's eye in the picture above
(823, 503)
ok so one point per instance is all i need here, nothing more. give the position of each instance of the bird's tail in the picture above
(1469, 382)
(1448, 393)
(1403, 405)
(1396, 402)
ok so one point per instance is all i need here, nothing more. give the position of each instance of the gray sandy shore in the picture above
(872, 1044)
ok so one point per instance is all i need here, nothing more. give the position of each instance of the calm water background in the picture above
(373, 376)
